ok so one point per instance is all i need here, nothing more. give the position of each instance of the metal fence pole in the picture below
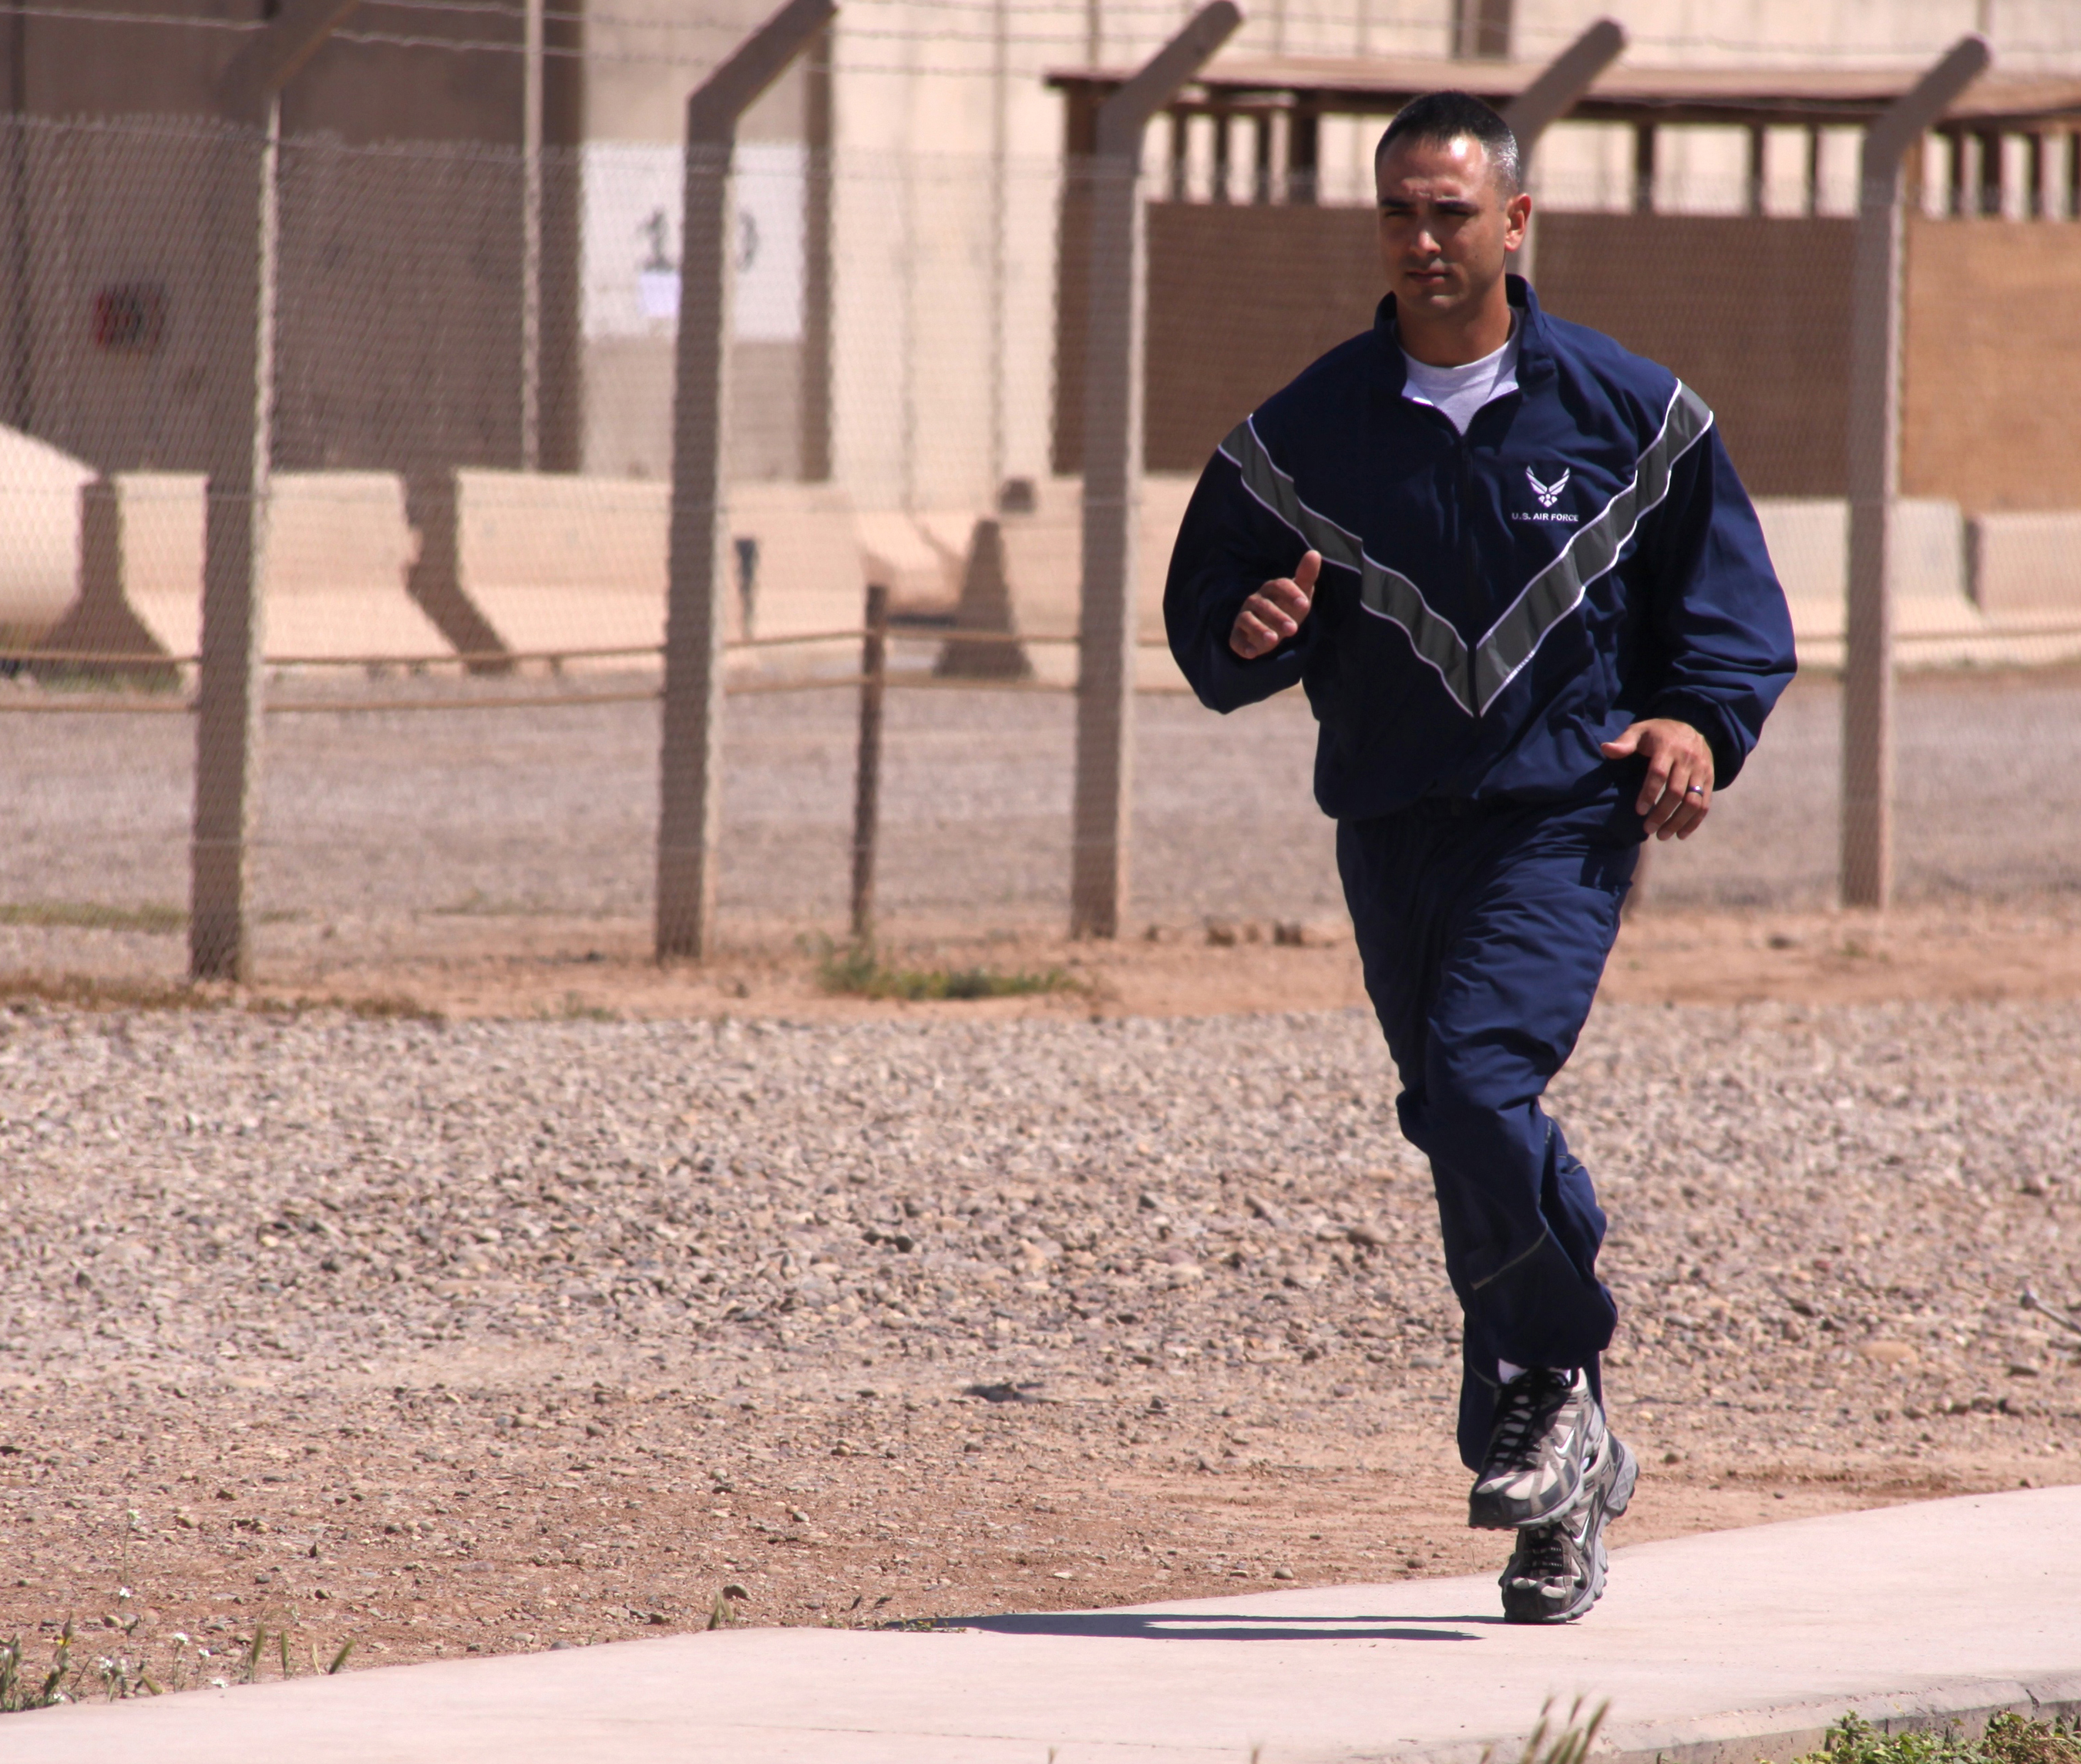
(690, 764)
(241, 394)
(815, 435)
(1113, 362)
(866, 780)
(530, 236)
(1549, 97)
(1874, 469)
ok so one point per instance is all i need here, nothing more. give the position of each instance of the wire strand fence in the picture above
(905, 341)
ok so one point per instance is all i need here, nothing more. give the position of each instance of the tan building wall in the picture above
(1755, 314)
(946, 151)
(1241, 299)
(1993, 379)
(1752, 312)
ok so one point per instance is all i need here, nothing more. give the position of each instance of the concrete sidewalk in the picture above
(1713, 1649)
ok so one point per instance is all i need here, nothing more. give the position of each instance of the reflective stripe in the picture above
(1476, 679)
(1383, 592)
(1558, 589)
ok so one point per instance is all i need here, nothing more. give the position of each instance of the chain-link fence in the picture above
(467, 524)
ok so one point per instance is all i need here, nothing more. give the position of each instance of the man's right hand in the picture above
(1274, 613)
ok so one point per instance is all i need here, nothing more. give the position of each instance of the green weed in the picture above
(2009, 1738)
(86, 992)
(153, 679)
(72, 1677)
(858, 970)
(1567, 1743)
(158, 921)
(20, 1691)
(70, 1680)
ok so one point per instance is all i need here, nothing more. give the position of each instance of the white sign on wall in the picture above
(633, 197)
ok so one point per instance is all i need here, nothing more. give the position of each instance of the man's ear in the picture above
(1516, 216)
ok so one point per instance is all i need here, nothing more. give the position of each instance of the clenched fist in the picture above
(1274, 613)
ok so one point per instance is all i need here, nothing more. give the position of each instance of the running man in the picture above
(1530, 603)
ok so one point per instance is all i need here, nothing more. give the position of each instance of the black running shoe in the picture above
(1556, 1571)
(1549, 1432)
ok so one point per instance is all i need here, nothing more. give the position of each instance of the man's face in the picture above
(1445, 224)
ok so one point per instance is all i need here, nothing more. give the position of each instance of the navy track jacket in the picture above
(1491, 608)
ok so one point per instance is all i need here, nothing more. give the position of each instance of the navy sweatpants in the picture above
(1483, 931)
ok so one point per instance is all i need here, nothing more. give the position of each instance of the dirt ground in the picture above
(546, 966)
(1957, 950)
(266, 1362)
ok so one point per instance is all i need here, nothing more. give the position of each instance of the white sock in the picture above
(1506, 1371)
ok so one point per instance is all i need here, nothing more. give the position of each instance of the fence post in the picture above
(1112, 474)
(866, 780)
(815, 435)
(240, 395)
(1551, 95)
(1874, 470)
(689, 761)
(530, 235)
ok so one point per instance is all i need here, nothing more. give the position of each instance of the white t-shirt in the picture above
(1460, 392)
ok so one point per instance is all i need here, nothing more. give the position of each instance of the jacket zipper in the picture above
(1470, 559)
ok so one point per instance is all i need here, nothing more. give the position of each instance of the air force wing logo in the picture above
(1546, 514)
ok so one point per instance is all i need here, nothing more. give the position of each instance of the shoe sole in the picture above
(1599, 1566)
(1618, 1497)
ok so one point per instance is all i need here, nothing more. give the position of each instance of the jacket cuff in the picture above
(1235, 682)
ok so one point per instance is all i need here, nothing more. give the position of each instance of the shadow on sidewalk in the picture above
(1215, 1626)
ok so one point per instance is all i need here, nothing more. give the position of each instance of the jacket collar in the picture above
(1535, 339)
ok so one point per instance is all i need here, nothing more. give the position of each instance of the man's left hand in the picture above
(1677, 793)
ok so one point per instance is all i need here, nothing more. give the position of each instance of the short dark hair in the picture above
(1440, 117)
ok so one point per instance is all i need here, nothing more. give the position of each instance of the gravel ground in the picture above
(380, 832)
(496, 1335)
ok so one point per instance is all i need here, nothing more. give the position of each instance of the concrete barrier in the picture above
(814, 568)
(40, 488)
(922, 558)
(557, 563)
(2025, 566)
(139, 568)
(337, 550)
(1937, 623)
(1044, 565)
